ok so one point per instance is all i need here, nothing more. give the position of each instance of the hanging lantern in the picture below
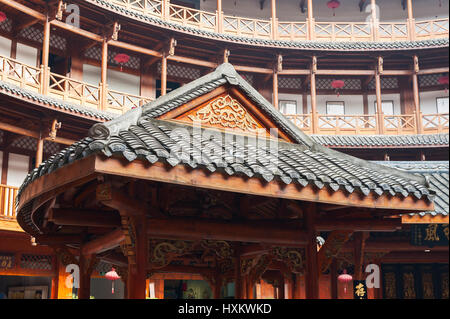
(113, 276)
(345, 278)
(443, 80)
(333, 4)
(122, 58)
(2, 16)
(336, 85)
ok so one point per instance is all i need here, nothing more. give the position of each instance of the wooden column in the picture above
(219, 21)
(411, 22)
(379, 110)
(45, 56)
(310, 21)
(137, 272)
(415, 83)
(312, 83)
(104, 74)
(165, 9)
(275, 89)
(273, 9)
(312, 268)
(84, 292)
(39, 151)
(237, 274)
(333, 279)
(164, 75)
(358, 253)
(373, 9)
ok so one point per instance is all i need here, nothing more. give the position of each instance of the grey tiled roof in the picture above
(15, 91)
(382, 140)
(137, 134)
(308, 45)
(437, 174)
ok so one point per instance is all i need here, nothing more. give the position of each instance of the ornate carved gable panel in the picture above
(224, 112)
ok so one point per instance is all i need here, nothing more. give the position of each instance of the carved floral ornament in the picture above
(225, 112)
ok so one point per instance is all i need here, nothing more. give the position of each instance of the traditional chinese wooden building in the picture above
(359, 175)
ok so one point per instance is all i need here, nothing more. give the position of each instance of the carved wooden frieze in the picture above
(225, 112)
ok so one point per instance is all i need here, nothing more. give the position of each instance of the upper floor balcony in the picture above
(42, 81)
(315, 27)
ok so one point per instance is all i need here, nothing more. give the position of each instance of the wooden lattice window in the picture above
(36, 262)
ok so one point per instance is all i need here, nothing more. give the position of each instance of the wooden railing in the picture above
(64, 88)
(399, 124)
(293, 31)
(303, 121)
(368, 124)
(20, 74)
(8, 196)
(435, 123)
(346, 124)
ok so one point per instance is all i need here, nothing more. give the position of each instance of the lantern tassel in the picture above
(113, 287)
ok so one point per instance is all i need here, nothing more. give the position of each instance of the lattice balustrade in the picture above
(95, 53)
(122, 102)
(151, 7)
(36, 262)
(247, 27)
(386, 83)
(289, 82)
(8, 196)
(6, 25)
(37, 35)
(428, 80)
(181, 71)
(335, 31)
(349, 84)
(25, 143)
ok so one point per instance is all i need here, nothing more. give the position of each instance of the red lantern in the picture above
(113, 276)
(333, 4)
(122, 58)
(345, 278)
(2, 16)
(336, 85)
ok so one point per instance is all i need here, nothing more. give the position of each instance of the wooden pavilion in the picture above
(188, 184)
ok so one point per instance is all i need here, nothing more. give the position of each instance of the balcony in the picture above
(77, 92)
(273, 29)
(7, 208)
(402, 124)
(41, 80)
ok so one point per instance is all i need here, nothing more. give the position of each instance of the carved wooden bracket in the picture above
(332, 247)
(380, 68)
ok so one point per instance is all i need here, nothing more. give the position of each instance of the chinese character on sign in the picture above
(431, 232)
(359, 289)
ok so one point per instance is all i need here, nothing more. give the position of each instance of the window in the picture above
(442, 105)
(386, 106)
(335, 108)
(288, 107)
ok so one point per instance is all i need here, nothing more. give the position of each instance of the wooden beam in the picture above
(84, 217)
(104, 243)
(380, 225)
(53, 240)
(252, 231)
(22, 131)
(426, 219)
(221, 181)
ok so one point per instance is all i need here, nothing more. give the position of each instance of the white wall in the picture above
(17, 169)
(385, 97)
(118, 81)
(5, 47)
(428, 101)
(289, 10)
(27, 54)
(353, 103)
